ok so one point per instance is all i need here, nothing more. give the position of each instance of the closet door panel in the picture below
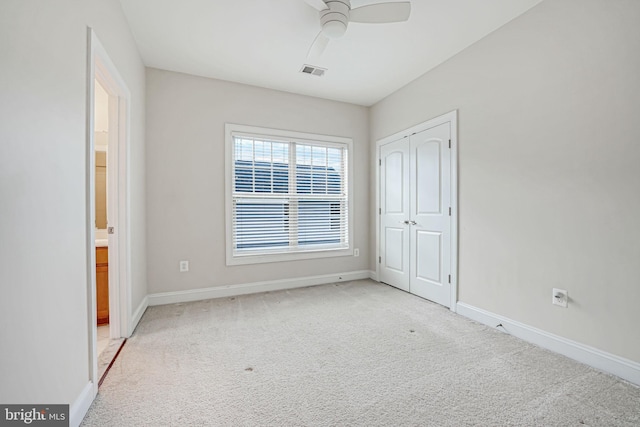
(428, 183)
(394, 214)
(430, 263)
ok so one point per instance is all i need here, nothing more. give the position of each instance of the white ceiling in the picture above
(265, 42)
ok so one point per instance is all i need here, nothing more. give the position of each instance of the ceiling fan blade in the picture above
(318, 46)
(317, 4)
(381, 13)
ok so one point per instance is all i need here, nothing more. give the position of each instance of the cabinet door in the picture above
(102, 285)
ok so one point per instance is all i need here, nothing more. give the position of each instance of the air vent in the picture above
(314, 71)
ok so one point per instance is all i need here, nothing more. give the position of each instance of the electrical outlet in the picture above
(356, 252)
(184, 266)
(560, 297)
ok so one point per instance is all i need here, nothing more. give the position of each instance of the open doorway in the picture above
(109, 291)
(105, 194)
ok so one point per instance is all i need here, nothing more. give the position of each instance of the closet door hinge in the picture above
(379, 211)
(449, 278)
(449, 143)
(379, 162)
(379, 260)
(449, 211)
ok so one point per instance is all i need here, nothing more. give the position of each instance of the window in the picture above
(287, 195)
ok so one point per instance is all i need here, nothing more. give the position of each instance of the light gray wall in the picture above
(548, 167)
(43, 259)
(185, 175)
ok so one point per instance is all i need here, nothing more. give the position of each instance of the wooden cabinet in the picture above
(102, 284)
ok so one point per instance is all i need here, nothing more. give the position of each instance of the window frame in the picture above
(268, 256)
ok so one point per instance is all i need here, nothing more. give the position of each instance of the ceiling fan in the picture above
(335, 16)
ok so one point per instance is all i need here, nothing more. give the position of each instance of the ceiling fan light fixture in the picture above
(334, 29)
(335, 16)
(335, 19)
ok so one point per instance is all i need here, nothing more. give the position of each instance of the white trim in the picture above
(454, 209)
(289, 256)
(377, 159)
(138, 314)
(373, 275)
(252, 288)
(91, 215)
(78, 409)
(607, 362)
(452, 118)
(100, 66)
(119, 244)
(232, 130)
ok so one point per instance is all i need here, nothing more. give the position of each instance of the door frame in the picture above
(101, 68)
(451, 118)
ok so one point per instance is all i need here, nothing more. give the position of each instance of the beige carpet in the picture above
(348, 354)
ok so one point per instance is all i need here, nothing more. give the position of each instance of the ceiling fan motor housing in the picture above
(335, 19)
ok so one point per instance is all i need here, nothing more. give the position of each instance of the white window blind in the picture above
(288, 196)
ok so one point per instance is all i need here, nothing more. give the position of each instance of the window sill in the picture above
(287, 256)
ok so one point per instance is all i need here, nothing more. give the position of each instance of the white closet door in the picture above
(430, 229)
(395, 214)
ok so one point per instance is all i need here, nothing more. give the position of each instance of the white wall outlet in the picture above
(560, 297)
(184, 266)
(356, 252)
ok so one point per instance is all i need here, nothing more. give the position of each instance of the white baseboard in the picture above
(138, 314)
(78, 409)
(252, 288)
(607, 362)
(373, 275)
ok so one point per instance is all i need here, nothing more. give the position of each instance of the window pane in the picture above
(318, 222)
(334, 182)
(280, 178)
(336, 159)
(319, 156)
(244, 149)
(303, 179)
(319, 180)
(303, 154)
(320, 170)
(280, 153)
(261, 225)
(262, 174)
(244, 176)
